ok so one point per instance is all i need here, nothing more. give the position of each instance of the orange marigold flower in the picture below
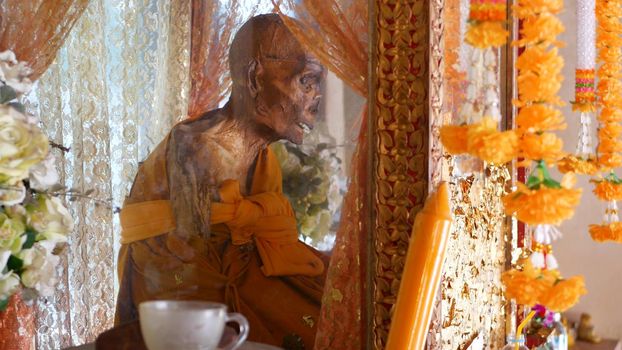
(610, 70)
(526, 8)
(608, 191)
(608, 11)
(486, 34)
(521, 287)
(490, 145)
(572, 164)
(610, 130)
(608, 145)
(610, 38)
(609, 54)
(545, 146)
(540, 61)
(542, 206)
(540, 30)
(536, 88)
(604, 233)
(454, 138)
(564, 294)
(610, 160)
(539, 117)
(610, 115)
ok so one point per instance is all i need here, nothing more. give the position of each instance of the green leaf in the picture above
(550, 183)
(533, 182)
(15, 264)
(7, 94)
(3, 304)
(30, 238)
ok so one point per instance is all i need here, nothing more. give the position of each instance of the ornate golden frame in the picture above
(406, 101)
(399, 115)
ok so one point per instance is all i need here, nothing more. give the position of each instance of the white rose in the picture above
(49, 217)
(9, 283)
(11, 194)
(4, 258)
(40, 268)
(44, 175)
(11, 231)
(22, 145)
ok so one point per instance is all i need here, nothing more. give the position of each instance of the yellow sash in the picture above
(265, 217)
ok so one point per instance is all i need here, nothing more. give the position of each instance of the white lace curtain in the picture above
(116, 87)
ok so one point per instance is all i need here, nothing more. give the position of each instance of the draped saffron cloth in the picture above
(252, 260)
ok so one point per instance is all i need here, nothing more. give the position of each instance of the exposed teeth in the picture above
(304, 128)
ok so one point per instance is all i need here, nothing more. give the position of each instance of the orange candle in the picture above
(422, 273)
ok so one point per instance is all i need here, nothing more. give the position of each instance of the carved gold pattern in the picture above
(406, 144)
(400, 109)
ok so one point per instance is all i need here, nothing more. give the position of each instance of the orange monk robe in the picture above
(253, 261)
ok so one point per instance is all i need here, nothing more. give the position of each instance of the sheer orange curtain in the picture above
(336, 32)
(34, 30)
(214, 23)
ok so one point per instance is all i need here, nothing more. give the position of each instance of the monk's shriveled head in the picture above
(277, 75)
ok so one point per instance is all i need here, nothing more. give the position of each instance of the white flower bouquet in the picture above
(33, 221)
(314, 187)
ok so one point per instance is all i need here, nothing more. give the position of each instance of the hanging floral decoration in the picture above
(34, 223)
(531, 286)
(542, 202)
(584, 159)
(609, 92)
(487, 24)
(478, 134)
(609, 89)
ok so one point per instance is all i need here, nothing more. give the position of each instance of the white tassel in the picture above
(539, 234)
(551, 262)
(537, 260)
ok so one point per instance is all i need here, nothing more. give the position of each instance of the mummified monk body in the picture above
(206, 218)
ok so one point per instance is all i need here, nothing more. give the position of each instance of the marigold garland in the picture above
(531, 286)
(481, 140)
(607, 232)
(542, 206)
(609, 88)
(572, 164)
(487, 24)
(607, 190)
(541, 146)
(564, 294)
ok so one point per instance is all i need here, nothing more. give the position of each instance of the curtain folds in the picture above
(117, 85)
(336, 31)
(214, 23)
(36, 29)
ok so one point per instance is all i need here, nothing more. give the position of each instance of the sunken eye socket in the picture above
(309, 80)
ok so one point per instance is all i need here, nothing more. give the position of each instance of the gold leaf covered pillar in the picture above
(399, 104)
(408, 107)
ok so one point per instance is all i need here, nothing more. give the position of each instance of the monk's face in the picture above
(289, 96)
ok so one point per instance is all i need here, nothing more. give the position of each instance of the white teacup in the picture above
(188, 325)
